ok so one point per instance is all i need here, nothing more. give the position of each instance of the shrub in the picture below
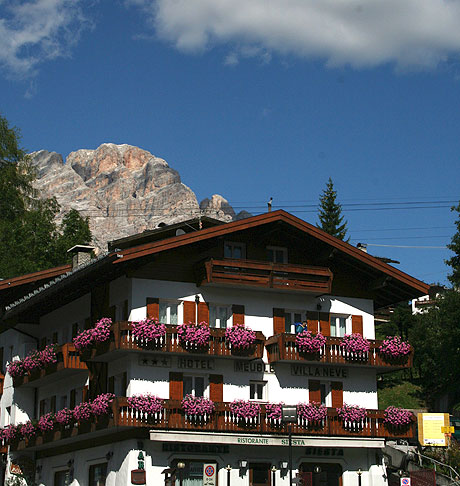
(306, 342)
(149, 404)
(355, 343)
(397, 416)
(245, 409)
(148, 330)
(96, 335)
(196, 335)
(240, 337)
(313, 411)
(393, 347)
(352, 413)
(197, 406)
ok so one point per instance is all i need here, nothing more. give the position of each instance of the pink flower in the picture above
(397, 416)
(148, 404)
(28, 430)
(197, 406)
(240, 337)
(274, 410)
(101, 404)
(11, 432)
(83, 411)
(96, 335)
(313, 411)
(355, 343)
(148, 330)
(307, 343)
(46, 422)
(196, 335)
(34, 361)
(64, 416)
(245, 409)
(352, 413)
(394, 347)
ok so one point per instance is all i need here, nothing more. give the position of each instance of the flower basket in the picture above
(397, 419)
(245, 412)
(274, 411)
(352, 416)
(240, 339)
(32, 364)
(194, 337)
(394, 350)
(46, 423)
(355, 346)
(149, 333)
(308, 343)
(197, 408)
(150, 407)
(312, 414)
(100, 333)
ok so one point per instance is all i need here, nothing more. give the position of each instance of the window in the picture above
(194, 385)
(338, 326)
(277, 254)
(220, 316)
(62, 478)
(290, 318)
(257, 390)
(97, 474)
(234, 250)
(169, 312)
(63, 402)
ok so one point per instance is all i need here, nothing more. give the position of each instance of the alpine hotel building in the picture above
(266, 272)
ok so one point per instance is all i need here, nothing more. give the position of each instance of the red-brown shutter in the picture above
(337, 394)
(176, 385)
(42, 407)
(279, 321)
(238, 314)
(189, 311)
(357, 325)
(314, 391)
(84, 394)
(324, 323)
(312, 321)
(153, 308)
(216, 388)
(203, 312)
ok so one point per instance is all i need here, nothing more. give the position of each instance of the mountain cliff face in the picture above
(123, 189)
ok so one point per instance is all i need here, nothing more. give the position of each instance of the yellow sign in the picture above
(432, 428)
(448, 430)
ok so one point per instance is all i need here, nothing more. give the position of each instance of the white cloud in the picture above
(37, 30)
(418, 33)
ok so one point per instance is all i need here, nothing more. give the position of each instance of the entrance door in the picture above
(330, 474)
(259, 474)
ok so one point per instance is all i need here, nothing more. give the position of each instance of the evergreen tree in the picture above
(330, 213)
(454, 262)
(29, 237)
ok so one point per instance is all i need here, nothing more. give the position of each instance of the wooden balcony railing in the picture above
(172, 418)
(282, 276)
(68, 358)
(282, 347)
(122, 338)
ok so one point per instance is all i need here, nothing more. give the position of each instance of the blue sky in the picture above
(252, 99)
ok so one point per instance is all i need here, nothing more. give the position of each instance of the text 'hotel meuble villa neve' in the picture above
(167, 359)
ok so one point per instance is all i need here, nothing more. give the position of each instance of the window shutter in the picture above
(314, 391)
(278, 321)
(203, 312)
(238, 314)
(42, 407)
(73, 398)
(324, 323)
(87, 323)
(216, 388)
(337, 394)
(176, 385)
(53, 404)
(125, 315)
(357, 325)
(43, 343)
(1, 360)
(111, 384)
(189, 311)
(113, 312)
(84, 393)
(312, 321)
(124, 384)
(74, 329)
(55, 337)
(153, 308)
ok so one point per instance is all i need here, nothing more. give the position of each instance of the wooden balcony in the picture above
(266, 275)
(123, 419)
(282, 348)
(122, 339)
(68, 363)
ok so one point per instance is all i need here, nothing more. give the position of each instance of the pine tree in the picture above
(454, 262)
(330, 213)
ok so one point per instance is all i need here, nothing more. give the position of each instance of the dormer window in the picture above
(277, 254)
(234, 250)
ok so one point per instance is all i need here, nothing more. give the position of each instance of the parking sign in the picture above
(209, 474)
(405, 482)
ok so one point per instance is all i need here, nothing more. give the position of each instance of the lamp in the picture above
(181, 467)
(317, 469)
(284, 465)
(243, 464)
(228, 469)
(273, 470)
(359, 473)
(289, 416)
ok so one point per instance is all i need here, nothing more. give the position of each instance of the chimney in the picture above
(81, 254)
(362, 247)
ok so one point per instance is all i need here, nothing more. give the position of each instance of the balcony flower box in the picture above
(32, 364)
(312, 414)
(396, 418)
(394, 350)
(309, 343)
(240, 339)
(274, 411)
(194, 337)
(149, 332)
(149, 406)
(197, 408)
(97, 335)
(245, 412)
(352, 416)
(355, 346)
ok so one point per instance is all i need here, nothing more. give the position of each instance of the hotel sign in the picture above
(182, 362)
(318, 371)
(253, 367)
